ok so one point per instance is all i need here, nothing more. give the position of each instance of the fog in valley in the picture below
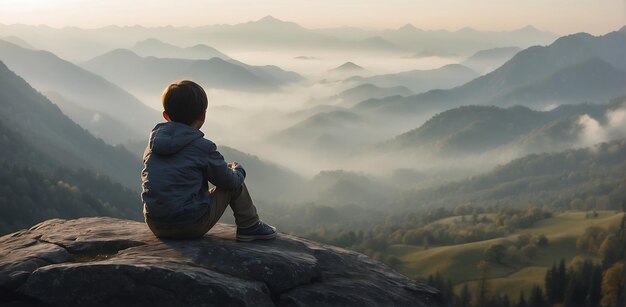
(436, 106)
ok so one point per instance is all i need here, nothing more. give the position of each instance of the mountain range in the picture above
(324, 133)
(53, 168)
(485, 61)
(152, 74)
(475, 130)
(46, 129)
(560, 63)
(577, 179)
(159, 49)
(102, 125)
(591, 80)
(419, 81)
(354, 95)
(443, 42)
(47, 72)
(17, 41)
(268, 32)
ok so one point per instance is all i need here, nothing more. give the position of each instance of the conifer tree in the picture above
(521, 302)
(595, 292)
(550, 283)
(482, 289)
(449, 291)
(560, 281)
(505, 301)
(536, 297)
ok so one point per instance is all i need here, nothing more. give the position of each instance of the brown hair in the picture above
(184, 101)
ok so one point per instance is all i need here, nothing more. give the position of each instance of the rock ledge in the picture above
(107, 261)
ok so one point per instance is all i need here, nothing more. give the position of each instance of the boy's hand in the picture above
(233, 164)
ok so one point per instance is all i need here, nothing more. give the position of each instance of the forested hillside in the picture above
(47, 130)
(34, 188)
(582, 179)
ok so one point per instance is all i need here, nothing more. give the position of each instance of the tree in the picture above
(586, 276)
(521, 302)
(542, 241)
(528, 252)
(483, 287)
(575, 293)
(595, 291)
(536, 297)
(466, 297)
(425, 243)
(449, 291)
(561, 280)
(610, 250)
(590, 240)
(550, 283)
(495, 253)
(613, 286)
(505, 301)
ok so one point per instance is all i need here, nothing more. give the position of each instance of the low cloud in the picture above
(95, 119)
(594, 132)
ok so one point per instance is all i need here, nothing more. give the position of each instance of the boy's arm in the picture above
(220, 174)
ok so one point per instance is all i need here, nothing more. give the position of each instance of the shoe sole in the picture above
(245, 238)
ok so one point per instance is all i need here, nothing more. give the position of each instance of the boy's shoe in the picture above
(258, 231)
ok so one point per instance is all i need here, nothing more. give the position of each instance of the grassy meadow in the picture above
(458, 262)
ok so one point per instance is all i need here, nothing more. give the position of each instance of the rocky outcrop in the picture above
(107, 261)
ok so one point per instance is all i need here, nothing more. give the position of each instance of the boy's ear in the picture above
(203, 116)
(167, 117)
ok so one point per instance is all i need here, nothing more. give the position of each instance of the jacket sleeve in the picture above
(220, 174)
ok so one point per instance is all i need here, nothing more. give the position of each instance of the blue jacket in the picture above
(178, 163)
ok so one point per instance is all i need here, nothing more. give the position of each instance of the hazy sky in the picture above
(561, 16)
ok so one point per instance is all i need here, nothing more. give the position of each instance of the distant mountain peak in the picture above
(467, 30)
(151, 40)
(119, 54)
(495, 52)
(275, 24)
(456, 67)
(529, 28)
(348, 66)
(571, 39)
(408, 27)
(157, 48)
(122, 52)
(270, 19)
(202, 47)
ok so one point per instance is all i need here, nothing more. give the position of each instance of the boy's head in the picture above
(184, 102)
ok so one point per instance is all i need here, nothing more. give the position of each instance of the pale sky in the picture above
(560, 16)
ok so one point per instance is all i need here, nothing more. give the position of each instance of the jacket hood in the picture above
(170, 137)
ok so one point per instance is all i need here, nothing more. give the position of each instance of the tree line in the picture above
(581, 283)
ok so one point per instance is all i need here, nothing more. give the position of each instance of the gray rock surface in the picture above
(107, 261)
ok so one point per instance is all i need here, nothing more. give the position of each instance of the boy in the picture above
(179, 163)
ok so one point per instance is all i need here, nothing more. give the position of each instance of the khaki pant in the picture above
(239, 200)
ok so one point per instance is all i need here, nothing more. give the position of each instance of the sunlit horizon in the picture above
(560, 17)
